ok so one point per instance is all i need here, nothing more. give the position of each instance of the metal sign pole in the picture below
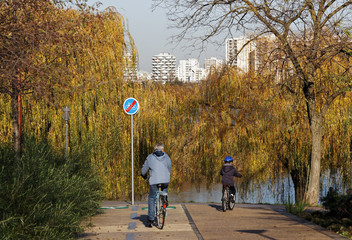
(131, 107)
(66, 140)
(132, 159)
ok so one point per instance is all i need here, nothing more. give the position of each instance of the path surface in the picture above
(204, 221)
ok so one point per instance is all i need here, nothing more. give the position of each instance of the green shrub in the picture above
(43, 196)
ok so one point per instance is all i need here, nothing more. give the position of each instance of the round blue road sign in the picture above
(131, 106)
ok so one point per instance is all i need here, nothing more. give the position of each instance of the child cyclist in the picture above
(228, 172)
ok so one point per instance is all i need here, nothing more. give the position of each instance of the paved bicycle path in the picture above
(130, 223)
(204, 221)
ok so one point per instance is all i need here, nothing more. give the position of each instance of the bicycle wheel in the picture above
(232, 201)
(225, 196)
(160, 213)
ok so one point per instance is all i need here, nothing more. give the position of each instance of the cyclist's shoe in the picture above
(232, 198)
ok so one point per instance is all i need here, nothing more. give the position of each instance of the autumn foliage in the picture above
(78, 58)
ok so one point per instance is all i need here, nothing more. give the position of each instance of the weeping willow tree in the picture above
(309, 36)
(265, 129)
(238, 113)
(90, 64)
(96, 94)
(80, 66)
(337, 156)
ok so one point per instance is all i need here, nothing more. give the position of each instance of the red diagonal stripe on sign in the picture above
(131, 106)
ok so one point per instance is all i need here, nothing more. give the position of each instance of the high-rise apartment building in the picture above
(164, 67)
(257, 55)
(189, 71)
(241, 53)
(267, 58)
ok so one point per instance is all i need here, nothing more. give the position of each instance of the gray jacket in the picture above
(159, 168)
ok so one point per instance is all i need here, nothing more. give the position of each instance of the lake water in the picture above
(279, 192)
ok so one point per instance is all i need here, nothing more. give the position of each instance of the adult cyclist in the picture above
(158, 164)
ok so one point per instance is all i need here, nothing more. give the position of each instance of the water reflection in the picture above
(279, 191)
(261, 194)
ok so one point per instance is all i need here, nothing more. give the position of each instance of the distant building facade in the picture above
(241, 53)
(144, 76)
(189, 71)
(212, 63)
(164, 67)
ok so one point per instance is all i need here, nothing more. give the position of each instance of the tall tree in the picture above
(309, 35)
(27, 29)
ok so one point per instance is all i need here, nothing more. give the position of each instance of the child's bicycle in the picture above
(228, 200)
(160, 207)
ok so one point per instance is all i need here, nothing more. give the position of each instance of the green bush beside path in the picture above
(43, 195)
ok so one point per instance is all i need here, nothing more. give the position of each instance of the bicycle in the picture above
(160, 207)
(228, 200)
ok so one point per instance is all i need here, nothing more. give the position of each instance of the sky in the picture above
(151, 34)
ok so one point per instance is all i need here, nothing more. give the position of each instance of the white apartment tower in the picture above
(240, 55)
(189, 71)
(164, 67)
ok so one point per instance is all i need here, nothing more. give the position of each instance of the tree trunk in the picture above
(312, 194)
(299, 179)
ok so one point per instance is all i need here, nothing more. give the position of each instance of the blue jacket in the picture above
(159, 166)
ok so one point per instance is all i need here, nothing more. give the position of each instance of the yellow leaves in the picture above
(241, 116)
